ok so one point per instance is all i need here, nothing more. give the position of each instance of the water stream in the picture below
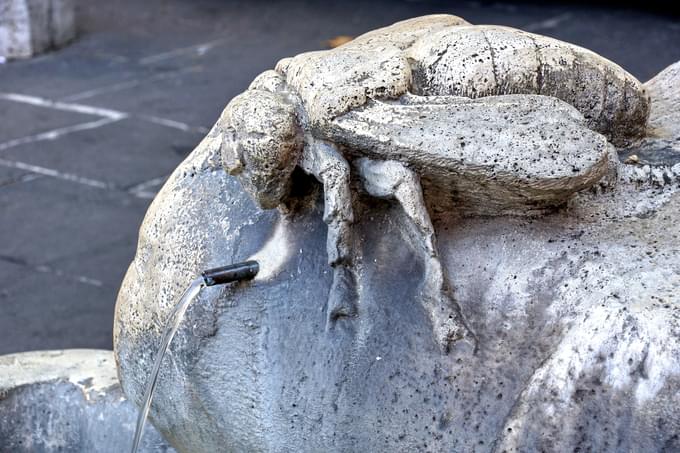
(217, 276)
(174, 321)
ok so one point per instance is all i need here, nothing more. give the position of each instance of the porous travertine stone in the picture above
(657, 156)
(664, 120)
(254, 369)
(477, 61)
(69, 400)
(569, 315)
(455, 58)
(548, 151)
(273, 146)
(488, 151)
(29, 27)
(445, 60)
(404, 33)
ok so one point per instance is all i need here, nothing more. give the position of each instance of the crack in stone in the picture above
(494, 69)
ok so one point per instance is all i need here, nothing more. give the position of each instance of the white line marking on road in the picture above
(56, 133)
(28, 177)
(150, 183)
(145, 195)
(174, 124)
(199, 49)
(141, 189)
(64, 106)
(78, 278)
(49, 270)
(138, 191)
(127, 84)
(105, 89)
(56, 174)
(24, 178)
(109, 114)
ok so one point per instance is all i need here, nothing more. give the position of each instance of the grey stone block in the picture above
(29, 27)
(67, 401)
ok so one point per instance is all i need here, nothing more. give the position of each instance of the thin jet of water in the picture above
(217, 276)
(174, 321)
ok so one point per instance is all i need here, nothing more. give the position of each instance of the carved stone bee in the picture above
(488, 120)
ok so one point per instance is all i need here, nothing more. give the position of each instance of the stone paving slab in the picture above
(67, 401)
(198, 97)
(61, 261)
(162, 71)
(74, 313)
(59, 74)
(9, 273)
(101, 263)
(28, 120)
(46, 219)
(124, 153)
(9, 176)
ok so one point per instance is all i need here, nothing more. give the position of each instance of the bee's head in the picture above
(260, 142)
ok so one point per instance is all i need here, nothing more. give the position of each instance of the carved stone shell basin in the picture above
(576, 313)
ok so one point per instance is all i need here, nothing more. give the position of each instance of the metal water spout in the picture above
(211, 277)
(230, 273)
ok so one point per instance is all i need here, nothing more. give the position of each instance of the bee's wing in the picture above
(537, 145)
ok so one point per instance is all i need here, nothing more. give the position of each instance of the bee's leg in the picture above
(325, 162)
(391, 179)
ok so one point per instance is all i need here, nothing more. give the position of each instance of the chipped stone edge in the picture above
(91, 370)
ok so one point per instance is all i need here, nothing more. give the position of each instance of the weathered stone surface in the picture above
(664, 119)
(477, 61)
(404, 33)
(67, 400)
(260, 125)
(582, 300)
(451, 57)
(656, 158)
(548, 151)
(29, 27)
(253, 368)
(519, 154)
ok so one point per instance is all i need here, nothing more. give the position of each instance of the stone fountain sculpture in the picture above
(476, 247)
